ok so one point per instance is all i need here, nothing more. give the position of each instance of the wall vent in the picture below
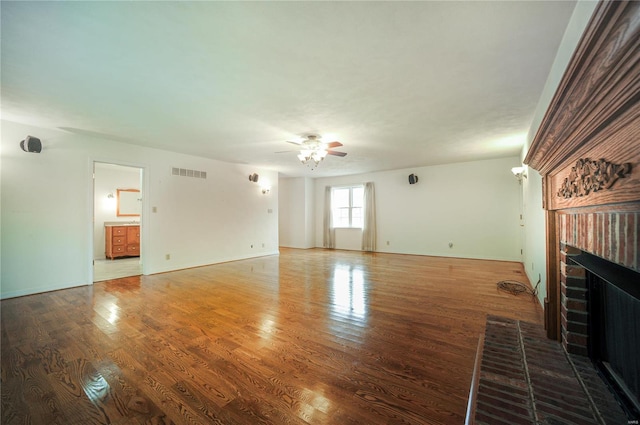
(183, 172)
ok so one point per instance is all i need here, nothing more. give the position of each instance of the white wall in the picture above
(534, 257)
(535, 254)
(310, 213)
(474, 205)
(108, 179)
(47, 210)
(291, 206)
(296, 212)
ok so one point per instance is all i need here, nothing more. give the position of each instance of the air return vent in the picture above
(183, 172)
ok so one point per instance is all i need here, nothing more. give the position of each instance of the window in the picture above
(347, 206)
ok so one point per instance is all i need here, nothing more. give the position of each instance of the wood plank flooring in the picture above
(306, 337)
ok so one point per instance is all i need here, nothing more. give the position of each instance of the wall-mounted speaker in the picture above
(413, 179)
(31, 144)
(254, 177)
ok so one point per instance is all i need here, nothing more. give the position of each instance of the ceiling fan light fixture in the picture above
(318, 156)
(313, 151)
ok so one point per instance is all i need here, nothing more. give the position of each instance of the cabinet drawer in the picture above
(133, 249)
(119, 231)
(118, 240)
(118, 249)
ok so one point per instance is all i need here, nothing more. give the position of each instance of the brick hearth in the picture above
(525, 378)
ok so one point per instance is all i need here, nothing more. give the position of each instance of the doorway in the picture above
(117, 221)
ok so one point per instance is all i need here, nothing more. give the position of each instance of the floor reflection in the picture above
(113, 314)
(348, 296)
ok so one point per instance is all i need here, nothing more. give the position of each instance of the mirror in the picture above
(129, 203)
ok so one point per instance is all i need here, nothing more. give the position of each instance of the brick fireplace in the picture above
(587, 151)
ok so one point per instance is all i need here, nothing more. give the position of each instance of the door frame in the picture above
(144, 216)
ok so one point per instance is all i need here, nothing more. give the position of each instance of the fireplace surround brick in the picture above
(609, 235)
(574, 317)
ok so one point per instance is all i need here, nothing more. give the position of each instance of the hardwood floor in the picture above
(310, 336)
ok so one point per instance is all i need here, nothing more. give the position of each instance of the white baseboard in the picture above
(176, 267)
(33, 291)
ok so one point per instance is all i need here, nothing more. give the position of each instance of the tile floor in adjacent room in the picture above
(119, 267)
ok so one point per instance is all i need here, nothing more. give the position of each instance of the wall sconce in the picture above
(265, 187)
(519, 172)
(109, 203)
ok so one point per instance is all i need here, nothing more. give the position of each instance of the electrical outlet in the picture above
(167, 257)
(263, 245)
(387, 242)
(154, 209)
(450, 244)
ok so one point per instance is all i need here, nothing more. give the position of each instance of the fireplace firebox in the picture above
(613, 326)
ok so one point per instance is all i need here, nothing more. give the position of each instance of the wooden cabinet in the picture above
(122, 241)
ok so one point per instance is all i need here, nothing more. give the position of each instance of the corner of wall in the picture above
(534, 244)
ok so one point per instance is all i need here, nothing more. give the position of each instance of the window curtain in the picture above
(328, 234)
(369, 225)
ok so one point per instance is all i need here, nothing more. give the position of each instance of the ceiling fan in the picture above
(313, 150)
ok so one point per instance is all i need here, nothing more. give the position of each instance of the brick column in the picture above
(574, 317)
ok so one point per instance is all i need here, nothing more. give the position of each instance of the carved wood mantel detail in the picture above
(591, 176)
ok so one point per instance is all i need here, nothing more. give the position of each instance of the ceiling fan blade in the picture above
(334, 145)
(294, 143)
(336, 153)
(285, 151)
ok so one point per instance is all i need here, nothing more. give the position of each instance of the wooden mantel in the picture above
(587, 148)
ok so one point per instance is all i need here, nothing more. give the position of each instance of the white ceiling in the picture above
(400, 84)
